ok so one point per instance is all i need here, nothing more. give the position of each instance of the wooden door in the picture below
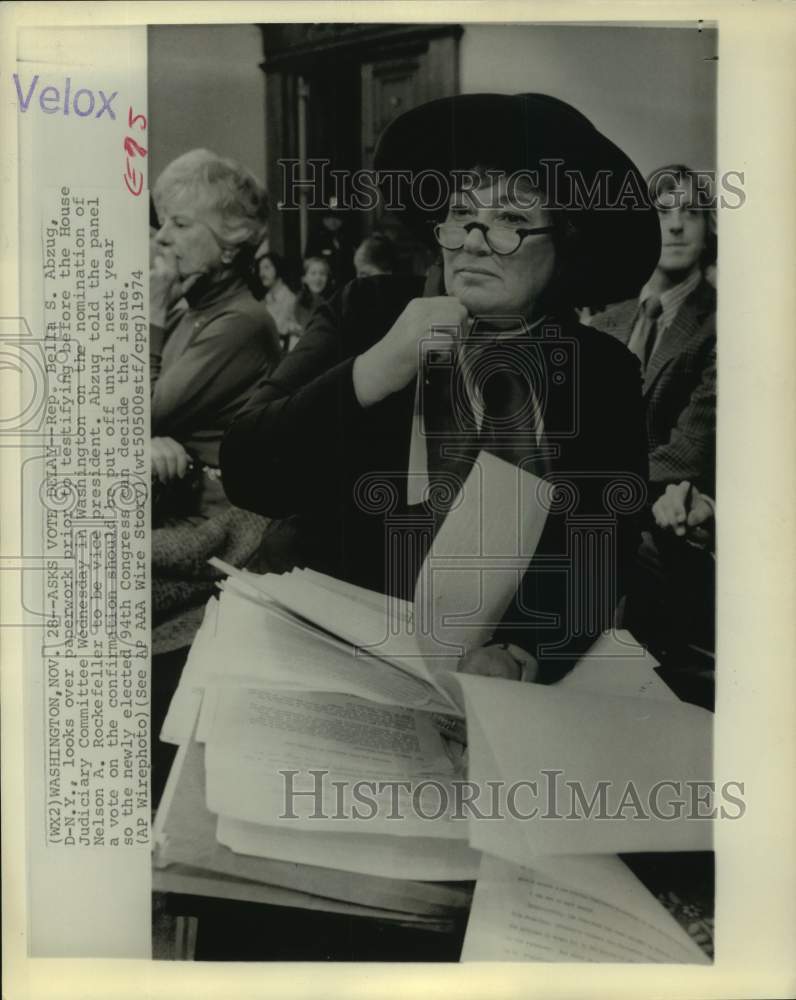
(395, 83)
(356, 78)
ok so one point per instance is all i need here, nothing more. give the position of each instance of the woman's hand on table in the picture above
(169, 459)
(392, 363)
(506, 661)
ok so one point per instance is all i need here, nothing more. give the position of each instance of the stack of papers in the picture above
(274, 698)
(303, 689)
(304, 630)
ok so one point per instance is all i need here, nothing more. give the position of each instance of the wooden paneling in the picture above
(359, 77)
(392, 84)
(282, 142)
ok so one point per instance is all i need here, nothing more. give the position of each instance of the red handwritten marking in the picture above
(135, 175)
(133, 149)
(131, 118)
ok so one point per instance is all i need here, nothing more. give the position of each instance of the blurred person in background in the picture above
(374, 255)
(329, 239)
(314, 290)
(671, 328)
(279, 300)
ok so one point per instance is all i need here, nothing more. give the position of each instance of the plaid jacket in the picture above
(679, 388)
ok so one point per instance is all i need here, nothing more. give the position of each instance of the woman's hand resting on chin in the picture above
(166, 286)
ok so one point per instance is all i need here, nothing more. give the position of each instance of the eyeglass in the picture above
(502, 240)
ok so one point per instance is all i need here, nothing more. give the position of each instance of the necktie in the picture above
(511, 422)
(449, 425)
(651, 309)
(509, 372)
(509, 412)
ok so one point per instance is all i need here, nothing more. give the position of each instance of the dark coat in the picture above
(303, 442)
(679, 389)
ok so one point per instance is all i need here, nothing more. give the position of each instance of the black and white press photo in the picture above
(394, 427)
(433, 368)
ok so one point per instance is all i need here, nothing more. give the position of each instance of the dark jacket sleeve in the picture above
(689, 453)
(302, 439)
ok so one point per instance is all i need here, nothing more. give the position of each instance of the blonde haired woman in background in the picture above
(210, 343)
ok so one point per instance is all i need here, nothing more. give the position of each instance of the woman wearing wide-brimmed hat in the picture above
(545, 213)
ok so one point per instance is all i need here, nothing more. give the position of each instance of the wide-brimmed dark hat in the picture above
(580, 173)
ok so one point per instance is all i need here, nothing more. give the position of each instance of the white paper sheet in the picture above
(478, 558)
(207, 713)
(616, 664)
(187, 699)
(421, 858)
(335, 609)
(556, 738)
(257, 645)
(395, 607)
(376, 626)
(256, 734)
(522, 915)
